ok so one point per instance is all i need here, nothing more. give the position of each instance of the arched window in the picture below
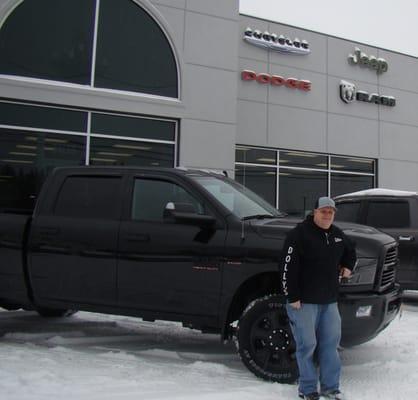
(122, 47)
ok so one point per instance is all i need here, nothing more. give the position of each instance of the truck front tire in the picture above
(265, 342)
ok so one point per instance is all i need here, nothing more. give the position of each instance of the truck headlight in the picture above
(364, 272)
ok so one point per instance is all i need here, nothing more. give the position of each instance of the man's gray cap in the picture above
(325, 202)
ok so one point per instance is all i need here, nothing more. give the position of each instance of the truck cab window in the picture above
(348, 211)
(150, 196)
(89, 197)
(388, 214)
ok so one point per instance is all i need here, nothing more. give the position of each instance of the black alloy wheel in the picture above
(265, 342)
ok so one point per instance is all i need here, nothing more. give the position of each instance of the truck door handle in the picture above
(406, 238)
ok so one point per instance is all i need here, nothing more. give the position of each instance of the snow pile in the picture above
(92, 356)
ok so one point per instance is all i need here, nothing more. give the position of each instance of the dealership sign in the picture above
(349, 93)
(380, 65)
(276, 80)
(279, 43)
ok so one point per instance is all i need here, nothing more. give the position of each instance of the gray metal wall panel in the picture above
(399, 142)
(210, 94)
(315, 61)
(207, 145)
(406, 109)
(211, 41)
(293, 128)
(252, 123)
(175, 19)
(338, 51)
(314, 99)
(223, 8)
(401, 73)
(353, 136)
(171, 3)
(251, 90)
(394, 174)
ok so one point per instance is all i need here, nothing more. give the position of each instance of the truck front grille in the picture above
(389, 268)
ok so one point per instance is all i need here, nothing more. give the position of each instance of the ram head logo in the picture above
(347, 91)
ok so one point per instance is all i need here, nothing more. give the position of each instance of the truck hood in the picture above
(368, 240)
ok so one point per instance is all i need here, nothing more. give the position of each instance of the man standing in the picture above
(317, 255)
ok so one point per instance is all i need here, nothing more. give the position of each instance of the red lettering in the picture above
(248, 75)
(292, 83)
(263, 78)
(277, 80)
(305, 85)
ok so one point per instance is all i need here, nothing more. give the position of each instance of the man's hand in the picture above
(345, 272)
(295, 304)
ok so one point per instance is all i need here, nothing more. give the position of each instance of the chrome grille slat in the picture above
(389, 264)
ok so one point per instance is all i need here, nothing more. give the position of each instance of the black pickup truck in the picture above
(394, 212)
(181, 245)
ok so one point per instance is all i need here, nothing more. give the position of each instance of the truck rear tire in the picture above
(265, 342)
(54, 312)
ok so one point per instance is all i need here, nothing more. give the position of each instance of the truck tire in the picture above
(54, 312)
(265, 342)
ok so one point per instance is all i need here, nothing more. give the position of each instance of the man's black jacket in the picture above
(312, 258)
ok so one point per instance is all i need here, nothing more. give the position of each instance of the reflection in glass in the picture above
(260, 180)
(342, 183)
(255, 156)
(129, 152)
(26, 158)
(352, 164)
(133, 53)
(299, 190)
(303, 159)
(49, 39)
(42, 117)
(116, 125)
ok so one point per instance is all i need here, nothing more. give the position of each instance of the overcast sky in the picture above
(392, 25)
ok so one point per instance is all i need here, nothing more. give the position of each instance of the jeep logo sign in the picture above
(349, 93)
(380, 65)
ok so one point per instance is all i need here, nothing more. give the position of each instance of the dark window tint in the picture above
(343, 183)
(116, 125)
(352, 164)
(117, 152)
(26, 158)
(260, 180)
(388, 214)
(300, 189)
(151, 196)
(302, 159)
(49, 39)
(348, 211)
(42, 117)
(89, 197)
(256, 156)
(132, 51)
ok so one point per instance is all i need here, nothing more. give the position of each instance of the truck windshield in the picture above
(241, 201)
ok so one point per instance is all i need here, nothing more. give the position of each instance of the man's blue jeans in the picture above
(317, 327)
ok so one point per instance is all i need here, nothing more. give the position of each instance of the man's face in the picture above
(324, 217)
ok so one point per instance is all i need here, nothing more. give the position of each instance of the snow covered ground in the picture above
(93, 356)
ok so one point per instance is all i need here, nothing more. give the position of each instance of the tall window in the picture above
(293, 180)
(99, 43)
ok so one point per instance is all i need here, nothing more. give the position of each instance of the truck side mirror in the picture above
(185, 213)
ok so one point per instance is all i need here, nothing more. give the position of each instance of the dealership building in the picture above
(290, 113)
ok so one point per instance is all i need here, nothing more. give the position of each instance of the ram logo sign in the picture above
(349, 93)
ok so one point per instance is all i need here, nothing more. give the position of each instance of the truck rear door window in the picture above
(388, 214)
(150, 197)
(348, 211)
(89, 197)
